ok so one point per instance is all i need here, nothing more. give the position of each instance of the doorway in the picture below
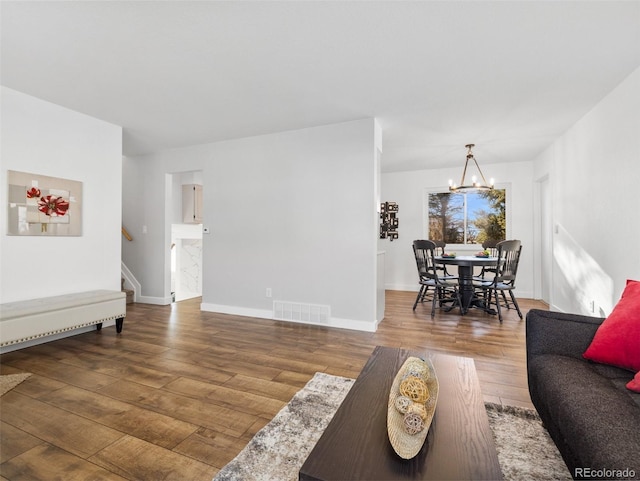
(546, 239)
(186, 261)
(186, 236)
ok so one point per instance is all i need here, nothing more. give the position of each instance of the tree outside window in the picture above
(467, 218)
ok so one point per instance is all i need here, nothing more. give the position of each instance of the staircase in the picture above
(129, 292)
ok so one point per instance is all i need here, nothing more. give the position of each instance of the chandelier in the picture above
(475, 185)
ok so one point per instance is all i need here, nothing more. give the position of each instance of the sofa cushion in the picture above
(617, 339)
(597, 418)
(634, 384)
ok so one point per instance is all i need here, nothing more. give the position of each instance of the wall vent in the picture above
(301, 312)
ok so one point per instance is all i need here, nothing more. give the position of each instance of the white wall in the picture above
(42, 138)
(594, 170)
(293, 211)
(408, 190)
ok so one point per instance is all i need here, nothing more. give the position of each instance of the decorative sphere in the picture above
(419, 409)
(402, 403)
(415, 389)
(413, 423)
(418, 369)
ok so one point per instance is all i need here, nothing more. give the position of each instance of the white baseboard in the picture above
(336, 322)
(523, 294)
(237, 311)
(353, 324)
(158, 301)
(130, 281)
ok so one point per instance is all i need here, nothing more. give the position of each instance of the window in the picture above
(467, 218)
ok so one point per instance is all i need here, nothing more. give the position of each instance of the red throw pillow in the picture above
(634, 384)
(617, 340)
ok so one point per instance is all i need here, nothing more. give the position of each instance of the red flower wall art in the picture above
(33, 192)
(44, 206)
(52, 205)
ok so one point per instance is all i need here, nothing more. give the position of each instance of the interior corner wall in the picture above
(408, 190)
(43, 138)
(594, 171)
(293, 211)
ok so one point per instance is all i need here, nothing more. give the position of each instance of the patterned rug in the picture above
(9, 381)
(278, 451)
(525, 449)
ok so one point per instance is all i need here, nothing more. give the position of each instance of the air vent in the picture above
(297, 311)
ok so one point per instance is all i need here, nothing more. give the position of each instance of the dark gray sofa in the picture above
(589, 413)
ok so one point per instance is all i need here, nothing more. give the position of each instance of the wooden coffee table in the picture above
(459, 445)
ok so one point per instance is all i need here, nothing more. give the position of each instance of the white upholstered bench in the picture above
(22, 321)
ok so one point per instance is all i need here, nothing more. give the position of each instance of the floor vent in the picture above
(297, 311)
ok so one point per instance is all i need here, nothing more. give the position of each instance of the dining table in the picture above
(468, 297)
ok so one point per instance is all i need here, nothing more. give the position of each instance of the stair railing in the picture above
(126, 234)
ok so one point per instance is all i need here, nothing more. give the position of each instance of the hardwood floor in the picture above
(180, 392)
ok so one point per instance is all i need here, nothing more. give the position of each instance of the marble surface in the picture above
(190, 269)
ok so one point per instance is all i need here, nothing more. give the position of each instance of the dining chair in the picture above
(504, 280)
(443, 290)
(439, 251)
(490, 245)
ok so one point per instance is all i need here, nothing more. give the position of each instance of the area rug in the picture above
(278, 451)
(525, 449)
(9, 381)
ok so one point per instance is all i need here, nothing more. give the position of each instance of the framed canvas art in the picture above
(43, 206)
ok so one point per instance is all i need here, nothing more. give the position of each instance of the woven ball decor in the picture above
(413, 423)
(412, 402)
(415, 389)
(418, 369)
(419, 409)
(402, 404)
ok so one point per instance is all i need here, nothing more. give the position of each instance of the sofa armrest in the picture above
(559, 333)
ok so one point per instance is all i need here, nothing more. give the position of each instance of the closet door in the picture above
(192, 204)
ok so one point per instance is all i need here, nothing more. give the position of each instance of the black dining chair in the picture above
(439, 251)
(443, 290)
(494, 290)
(490, 245)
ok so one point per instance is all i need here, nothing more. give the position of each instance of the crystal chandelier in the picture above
(475, 185)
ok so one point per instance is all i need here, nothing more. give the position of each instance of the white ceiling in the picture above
(510, 76)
